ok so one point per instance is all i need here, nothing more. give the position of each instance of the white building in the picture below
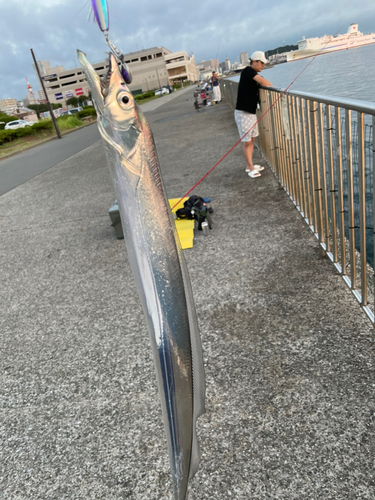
(41, 96)
(244, 59)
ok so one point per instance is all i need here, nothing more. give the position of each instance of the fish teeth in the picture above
(104, 83)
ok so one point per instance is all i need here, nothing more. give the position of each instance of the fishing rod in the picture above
(267, 110)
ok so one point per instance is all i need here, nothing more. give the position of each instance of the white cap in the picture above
(258, 56)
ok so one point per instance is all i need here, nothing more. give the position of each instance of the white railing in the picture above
(322, 152)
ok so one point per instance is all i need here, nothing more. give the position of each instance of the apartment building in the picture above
(148, 69)
(181, 67)
(8, 105)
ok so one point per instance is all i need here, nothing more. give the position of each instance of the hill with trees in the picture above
(280, 50)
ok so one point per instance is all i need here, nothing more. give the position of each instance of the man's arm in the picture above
(262, 81)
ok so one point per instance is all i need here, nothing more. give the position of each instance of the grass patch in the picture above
(68, 122)
(38, 133)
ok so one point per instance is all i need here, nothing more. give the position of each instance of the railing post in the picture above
(362, 207)
(349, 167)
(311, 169)
(340, 189)
(292, 159)
(294, 137)
(281, 134)
(306, 171)
(268, 125)
(285, 129)
(324, 177)
(275, 159)
(316, 170)
(331, 183)
(300, 157)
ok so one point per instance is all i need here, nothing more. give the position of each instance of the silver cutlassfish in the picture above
(157, 264)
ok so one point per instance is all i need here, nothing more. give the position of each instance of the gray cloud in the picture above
(210, 29)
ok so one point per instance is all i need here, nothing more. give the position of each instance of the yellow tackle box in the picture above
(185, 228)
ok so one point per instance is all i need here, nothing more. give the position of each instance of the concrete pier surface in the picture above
(289, 355)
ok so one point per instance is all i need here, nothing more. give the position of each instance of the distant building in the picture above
(277, 58)
(149, 70)
(211, 64)
(8, 105)
(225, 66)
(181, 67)
(45, 68)
(26, 114)
(244, 59)
(41, 96)
(30, 99)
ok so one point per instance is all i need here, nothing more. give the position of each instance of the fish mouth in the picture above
(101, 87)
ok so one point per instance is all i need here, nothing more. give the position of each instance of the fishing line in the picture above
(272, 105)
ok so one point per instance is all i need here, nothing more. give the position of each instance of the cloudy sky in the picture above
(207, 28)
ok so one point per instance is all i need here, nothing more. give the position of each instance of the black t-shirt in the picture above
(248, 93)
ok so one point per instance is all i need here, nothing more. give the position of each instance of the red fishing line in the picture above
(231, 149)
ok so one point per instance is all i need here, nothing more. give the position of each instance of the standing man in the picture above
(247, 101)
(216, 87)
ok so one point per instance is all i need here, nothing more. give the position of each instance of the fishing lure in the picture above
(101, 15)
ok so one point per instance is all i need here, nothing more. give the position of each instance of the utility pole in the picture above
(157, 73)
(45, 93)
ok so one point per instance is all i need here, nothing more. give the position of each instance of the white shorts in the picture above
(246, 121)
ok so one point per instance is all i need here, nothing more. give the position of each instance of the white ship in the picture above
(312, 46)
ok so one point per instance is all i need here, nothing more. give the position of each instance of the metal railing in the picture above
(322, 152)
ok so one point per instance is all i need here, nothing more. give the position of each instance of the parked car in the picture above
(17, 124)
(161, 91)
(71, 111)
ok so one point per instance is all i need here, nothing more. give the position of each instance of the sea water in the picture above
(347, 73)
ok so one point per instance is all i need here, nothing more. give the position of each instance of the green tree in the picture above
(82, 99)
(72, 101)
(42, 108)
(5, 119)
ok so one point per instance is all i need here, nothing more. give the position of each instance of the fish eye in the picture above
(123, 100)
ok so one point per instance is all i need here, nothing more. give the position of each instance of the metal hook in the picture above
(125, 70)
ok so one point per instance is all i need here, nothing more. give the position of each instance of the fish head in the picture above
(119, 116)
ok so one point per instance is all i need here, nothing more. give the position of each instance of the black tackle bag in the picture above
(194, 208)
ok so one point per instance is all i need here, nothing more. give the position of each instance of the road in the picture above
(22, 167)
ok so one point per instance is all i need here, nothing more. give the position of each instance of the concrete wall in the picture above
(229, 91)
